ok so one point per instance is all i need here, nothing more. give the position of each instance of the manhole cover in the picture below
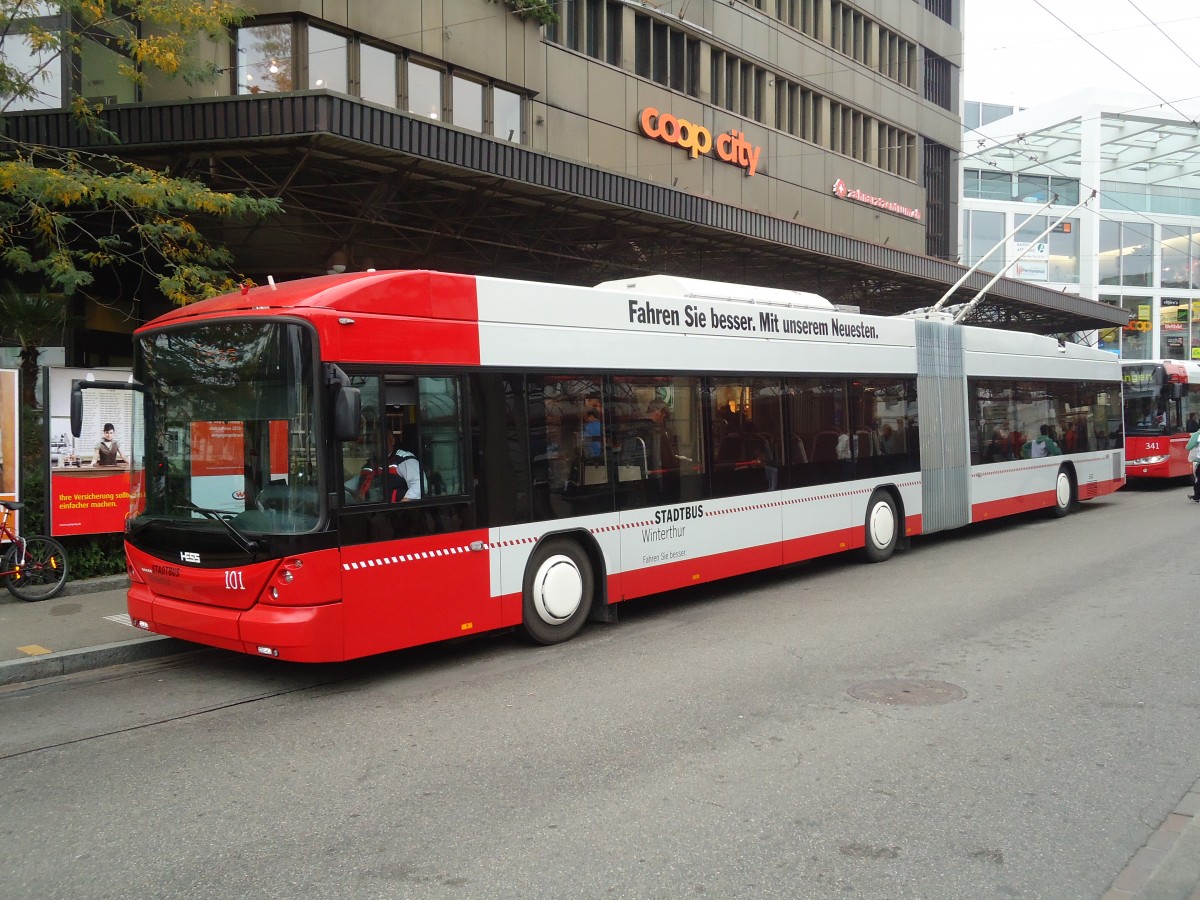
(907, 692)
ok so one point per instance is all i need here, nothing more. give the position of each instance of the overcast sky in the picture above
(1018, 53)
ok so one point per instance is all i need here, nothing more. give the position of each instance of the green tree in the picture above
(64, 215)
(29, 320)
(539, 10)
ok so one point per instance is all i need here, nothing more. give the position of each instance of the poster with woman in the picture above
(88, 476)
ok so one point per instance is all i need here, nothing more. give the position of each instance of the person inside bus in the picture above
(1193, 424)
(593, 448)
(665, 457)
(402, 481)
(997, 448)
(1042, 445)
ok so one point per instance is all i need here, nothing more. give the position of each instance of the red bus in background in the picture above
(576, 447)
(1161, 409)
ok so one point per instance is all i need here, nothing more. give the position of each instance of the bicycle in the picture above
(33, 568)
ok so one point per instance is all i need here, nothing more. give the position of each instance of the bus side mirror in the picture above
(76, 408)
(347, 413)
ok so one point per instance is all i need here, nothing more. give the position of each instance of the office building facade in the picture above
(805, 144)
(1135, 246)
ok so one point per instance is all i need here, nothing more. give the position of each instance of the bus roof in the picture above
(697, 288)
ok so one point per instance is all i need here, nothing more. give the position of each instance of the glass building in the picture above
(1135, 245)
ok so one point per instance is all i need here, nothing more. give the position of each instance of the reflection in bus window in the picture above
(747, 434)
(567, 446)
(658, 449)
(884, 412)
(1007, 418)
(819, 441)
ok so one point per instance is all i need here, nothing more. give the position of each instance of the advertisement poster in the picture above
(10, 457)
(89, 475)
(1035, 264)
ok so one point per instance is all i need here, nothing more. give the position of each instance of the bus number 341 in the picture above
(233, 580)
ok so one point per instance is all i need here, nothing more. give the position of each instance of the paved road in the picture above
(708, 745)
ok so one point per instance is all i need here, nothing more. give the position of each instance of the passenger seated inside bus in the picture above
(403, 478)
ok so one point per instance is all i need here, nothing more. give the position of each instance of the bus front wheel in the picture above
(558, 591)
(1064, 493)
(882, 527)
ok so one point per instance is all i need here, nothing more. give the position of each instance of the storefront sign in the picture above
(731, 147)
(1035, 264)
(845, 193)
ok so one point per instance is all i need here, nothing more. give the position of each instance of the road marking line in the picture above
(121, 619)
(34, 649)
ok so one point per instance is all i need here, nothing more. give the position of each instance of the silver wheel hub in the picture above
(1063, 489)
(882, 524)
(557, 589)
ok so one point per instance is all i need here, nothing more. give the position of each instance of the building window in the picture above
(940, 8)
(1064, 252)
(328, 61)
(466, 98)
(424, 90)
(1050, 257)
(1067, 190)
(985, 184)
(937, 80)
(378, 82)
(96, 63)
(1173, 328)
(667, 55)
(938, 179)
(614, 20)
(1135, 337)
(506, 115)
(264, 55)
(1180, 265)
(1110, 252)
(1033, 188)
(981, 232)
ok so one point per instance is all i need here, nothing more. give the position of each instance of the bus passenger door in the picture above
(414, 570)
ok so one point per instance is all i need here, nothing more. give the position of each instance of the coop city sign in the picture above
(732, 146)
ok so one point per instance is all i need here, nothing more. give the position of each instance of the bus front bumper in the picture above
(297, 633)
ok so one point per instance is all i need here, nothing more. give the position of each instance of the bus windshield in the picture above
(1150, 406)
(231, 412)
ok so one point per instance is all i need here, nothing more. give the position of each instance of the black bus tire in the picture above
(1064, 493)
(881, 528)
(558, 590)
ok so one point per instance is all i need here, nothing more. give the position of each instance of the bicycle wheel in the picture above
(43, 573)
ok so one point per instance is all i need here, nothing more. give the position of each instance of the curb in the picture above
(93, 585)
(67, 662)
(82, 586)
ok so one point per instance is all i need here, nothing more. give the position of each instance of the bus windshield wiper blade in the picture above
(242, 541)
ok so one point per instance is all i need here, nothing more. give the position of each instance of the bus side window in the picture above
(440, 425)
(362, 458)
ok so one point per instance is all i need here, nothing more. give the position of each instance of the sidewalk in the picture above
(84, 627)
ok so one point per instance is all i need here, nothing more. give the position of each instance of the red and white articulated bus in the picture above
(1162, 409)
(577, 447)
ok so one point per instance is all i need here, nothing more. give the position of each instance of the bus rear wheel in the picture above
(882, 527)
(1064, 493)
(558, 591)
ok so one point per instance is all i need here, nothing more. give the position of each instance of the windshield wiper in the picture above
(240, 539)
